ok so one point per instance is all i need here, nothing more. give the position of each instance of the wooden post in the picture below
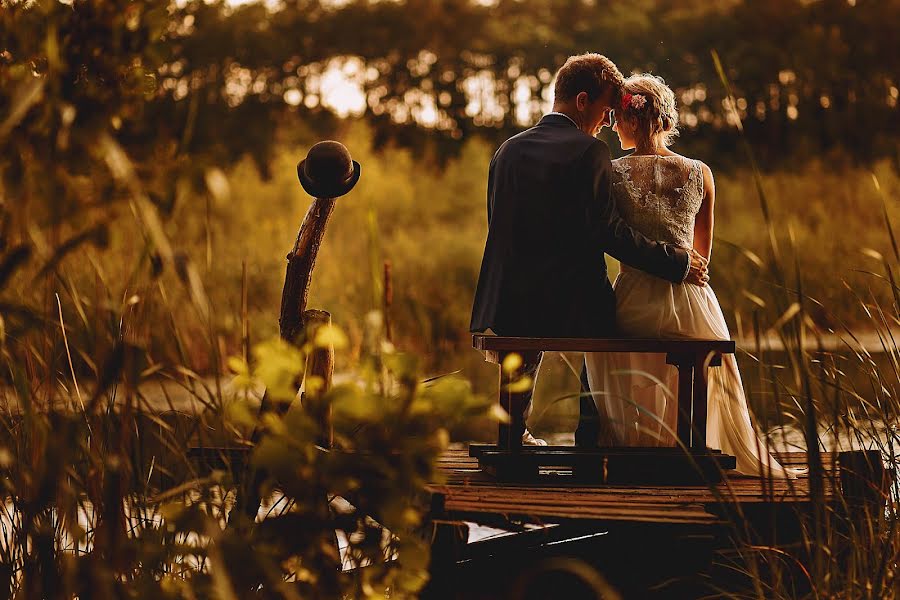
(685, 366)
(699, 404)
(503, 429)
(301, 262)
(693, 396)
(448, 545)
(864, 484)
(327, 173)
(295, 293)
(321, 366)
(298, 274)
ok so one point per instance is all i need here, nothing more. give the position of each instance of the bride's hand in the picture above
(698, 274)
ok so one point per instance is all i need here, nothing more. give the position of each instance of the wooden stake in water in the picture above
(301, 262)
(330, 168)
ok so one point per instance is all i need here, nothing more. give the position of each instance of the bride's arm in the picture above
(703, 225)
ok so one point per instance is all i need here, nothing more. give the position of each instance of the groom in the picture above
(551, 218)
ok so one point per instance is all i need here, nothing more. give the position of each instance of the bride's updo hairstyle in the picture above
(650, 104)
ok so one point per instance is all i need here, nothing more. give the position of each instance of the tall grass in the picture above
(837, 400)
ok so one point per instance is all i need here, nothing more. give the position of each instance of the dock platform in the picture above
(469, 494)
(647, 541)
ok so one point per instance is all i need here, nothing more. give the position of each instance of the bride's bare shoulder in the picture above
(704, 168)
(709, 184)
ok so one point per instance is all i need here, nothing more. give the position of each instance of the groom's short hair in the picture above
(592, 73)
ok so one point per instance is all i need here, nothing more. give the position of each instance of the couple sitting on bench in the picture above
(556, 205)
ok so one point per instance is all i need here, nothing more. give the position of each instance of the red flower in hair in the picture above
(626, 101)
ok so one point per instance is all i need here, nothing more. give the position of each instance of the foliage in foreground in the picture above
(92, 507)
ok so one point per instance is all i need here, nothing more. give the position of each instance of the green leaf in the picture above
(278, 365)
(520, 385)
(512, 363)
(330, 336)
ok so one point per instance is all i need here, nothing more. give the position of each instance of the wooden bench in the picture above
(509, 459)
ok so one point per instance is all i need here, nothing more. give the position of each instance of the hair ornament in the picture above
(633, 101)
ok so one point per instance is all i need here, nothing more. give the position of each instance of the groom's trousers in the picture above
(588, 417)
(530, 369)
(588, 425)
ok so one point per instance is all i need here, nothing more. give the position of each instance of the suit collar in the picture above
(556, 118)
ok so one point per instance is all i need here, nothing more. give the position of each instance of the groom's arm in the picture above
(617, 237)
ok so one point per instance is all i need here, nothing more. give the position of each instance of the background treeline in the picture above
(811, 77)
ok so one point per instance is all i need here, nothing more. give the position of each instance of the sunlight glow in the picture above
(341, 86)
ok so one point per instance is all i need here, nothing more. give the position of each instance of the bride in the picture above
(667, 197)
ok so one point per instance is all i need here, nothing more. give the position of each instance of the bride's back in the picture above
(659, 195)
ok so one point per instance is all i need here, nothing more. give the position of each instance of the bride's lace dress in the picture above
(660, 197)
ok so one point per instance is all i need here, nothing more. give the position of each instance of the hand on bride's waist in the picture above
(698, 272)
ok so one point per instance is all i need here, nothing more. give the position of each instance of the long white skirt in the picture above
(635, 393)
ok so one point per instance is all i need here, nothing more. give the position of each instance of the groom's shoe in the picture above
(530, 440)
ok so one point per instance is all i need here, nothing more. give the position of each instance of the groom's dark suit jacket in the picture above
(551, 218)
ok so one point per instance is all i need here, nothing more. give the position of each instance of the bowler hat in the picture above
(328, 171)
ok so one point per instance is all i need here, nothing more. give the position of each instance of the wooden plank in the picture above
(470, 494)
(600, 496)
(731, 486)
(494, 343)
(556, 514)
(478, 450)
(542, 501)
(784, 496)
(609, 466)
(740, 489)
(460, 457)
(556, 506)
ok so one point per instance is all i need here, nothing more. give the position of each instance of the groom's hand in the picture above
(698, 274)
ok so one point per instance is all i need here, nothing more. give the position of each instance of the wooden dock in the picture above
(469, 494)
(636, 536)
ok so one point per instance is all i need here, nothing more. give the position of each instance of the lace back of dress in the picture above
(659, 196)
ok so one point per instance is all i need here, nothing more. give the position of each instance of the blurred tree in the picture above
(201, 84)
(811, 76)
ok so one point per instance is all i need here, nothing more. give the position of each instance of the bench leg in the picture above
(693, 396)
(685, 389)
(509, 435)
(503, 428)
(700, 402)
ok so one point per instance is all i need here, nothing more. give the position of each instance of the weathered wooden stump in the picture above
(321, 367)
(327, 173)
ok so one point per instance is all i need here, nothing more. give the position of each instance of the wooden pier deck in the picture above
(469, 494)
(647, 541)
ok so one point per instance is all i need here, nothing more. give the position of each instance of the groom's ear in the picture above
(581, 100)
